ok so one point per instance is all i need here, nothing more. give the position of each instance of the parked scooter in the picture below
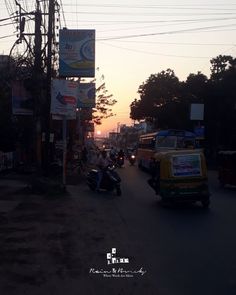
(132, 159)
(110, 180)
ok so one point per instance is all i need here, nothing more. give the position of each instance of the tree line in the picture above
(165, 102)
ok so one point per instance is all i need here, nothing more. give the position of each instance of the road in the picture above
(58, 244)
(187, 249)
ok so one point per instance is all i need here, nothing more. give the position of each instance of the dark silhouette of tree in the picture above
(158, 91)
(219, 66)
(104, 103)
(193, 90)
(195, 87)
(136, 111)
(165, 101)
(221, 103)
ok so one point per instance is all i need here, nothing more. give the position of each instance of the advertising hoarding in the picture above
(86, 95)
(22, 101)
(197, 111)
(64, 98)
(76, 53)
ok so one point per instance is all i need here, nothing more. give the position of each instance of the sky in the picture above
(135, 39)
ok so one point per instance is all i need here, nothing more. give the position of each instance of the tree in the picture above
(104, 103)
(194, 88)
(158, 91)
(219, 65)
(221, 103)
(135, 110)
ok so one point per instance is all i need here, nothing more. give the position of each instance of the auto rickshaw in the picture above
(227, 167)
(180, 176)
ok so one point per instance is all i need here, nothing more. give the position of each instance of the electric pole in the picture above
(37, 80)
(41, 53)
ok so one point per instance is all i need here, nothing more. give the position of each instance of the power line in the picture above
(7, 24)
(63, 13)
(176, 43)
(176, 7)
(7, 36)
(155, 21)
(159, 21)
(163, 33)
(8, 18)
(155, 53)
(112, 13)
(150, 26)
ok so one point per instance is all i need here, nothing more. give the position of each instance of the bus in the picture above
(170, 139)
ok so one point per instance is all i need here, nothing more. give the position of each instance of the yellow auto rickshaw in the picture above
(180, 176)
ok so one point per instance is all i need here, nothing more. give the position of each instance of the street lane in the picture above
(51, 242)
(186, 249)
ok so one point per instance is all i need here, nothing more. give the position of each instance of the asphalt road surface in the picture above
(59, 244)
(186, 249)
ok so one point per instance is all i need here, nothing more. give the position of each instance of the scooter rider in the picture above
(102, 163)
(121, 153)
(113, 154)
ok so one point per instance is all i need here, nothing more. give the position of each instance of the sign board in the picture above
(22, 101)
(64, 98)
(186, 165)
(197, 111)
(86, 95)
(77, 53)
(199, 131)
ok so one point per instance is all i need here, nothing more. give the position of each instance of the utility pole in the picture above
(50, 37)
(37, 80)
(41, 53)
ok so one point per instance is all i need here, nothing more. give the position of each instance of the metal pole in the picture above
(51, 12)
(64, 135)
(37, 78)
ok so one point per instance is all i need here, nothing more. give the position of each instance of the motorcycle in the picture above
(120, 161)
(110, 180)
(132, 159)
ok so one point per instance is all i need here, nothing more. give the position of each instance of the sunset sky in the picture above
(135, 39)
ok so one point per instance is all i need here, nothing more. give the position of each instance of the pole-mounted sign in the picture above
(76, 53)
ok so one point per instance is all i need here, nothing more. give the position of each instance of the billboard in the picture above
(199, 131)
(22, 101)
(77, 53)
(64, 98)
(197, 111)
(86, 95)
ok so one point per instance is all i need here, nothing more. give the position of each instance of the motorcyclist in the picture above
(120, 158)
(113, 154)
(102, 163)
(121, 153)
(132, 157)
